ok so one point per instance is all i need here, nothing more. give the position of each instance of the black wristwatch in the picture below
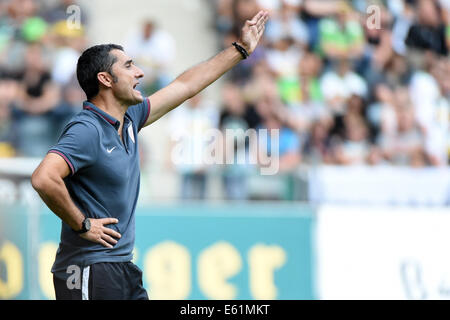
(85, 226)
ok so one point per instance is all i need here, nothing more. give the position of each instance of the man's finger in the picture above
(111, 232)
(257, 17)
(261, 23)
(104, 243)
(108, 239)
(260, 26)
(261, 31)
(262, 16)
(108, 220)
(262, 20)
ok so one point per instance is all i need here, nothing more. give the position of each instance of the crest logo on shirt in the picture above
(130, 133)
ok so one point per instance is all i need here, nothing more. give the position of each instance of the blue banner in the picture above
(186, 251)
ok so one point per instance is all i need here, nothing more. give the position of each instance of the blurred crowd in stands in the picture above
(40, 42)
(38, 87)
(345, 82)
(362, 82)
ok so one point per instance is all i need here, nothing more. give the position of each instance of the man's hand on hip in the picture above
(101, 234)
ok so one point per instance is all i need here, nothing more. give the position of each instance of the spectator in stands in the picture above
(289, 144)
(317, 148)
(431, 105)
(224, 17)
(9, 89)
(405, 147)
(342, 36)
(339, 84)
(36, 113)
(243, 10)
(381, 114)
(355, 148)
(287, 38)
(312, 13)
(68, 44)
(308, 109)
(428, 32)
(19, 10)
(18, 27)
(154, 50)
(286, 23)
(189, 130)
(301, 85)
(379, 53)
(236, 118)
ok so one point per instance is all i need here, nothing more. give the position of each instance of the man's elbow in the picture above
(40, 180)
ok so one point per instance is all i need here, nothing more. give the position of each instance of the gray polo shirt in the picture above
(104, 181)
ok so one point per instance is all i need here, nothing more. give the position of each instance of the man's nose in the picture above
(139, 73)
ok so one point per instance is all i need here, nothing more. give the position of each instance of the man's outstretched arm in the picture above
(197, 78)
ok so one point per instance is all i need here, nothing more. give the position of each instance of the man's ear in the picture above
(105, 79)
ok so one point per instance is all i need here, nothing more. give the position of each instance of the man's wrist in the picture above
(241, 49)
(244, 46)
(85, 226)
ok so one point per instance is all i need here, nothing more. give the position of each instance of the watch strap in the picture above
(83, 227)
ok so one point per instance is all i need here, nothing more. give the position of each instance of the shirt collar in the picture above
(91, 107)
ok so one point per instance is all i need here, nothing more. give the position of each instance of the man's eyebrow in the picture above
(128, 62)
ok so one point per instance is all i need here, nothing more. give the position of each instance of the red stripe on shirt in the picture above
(89, 108)
(148, 112)
(65, 158)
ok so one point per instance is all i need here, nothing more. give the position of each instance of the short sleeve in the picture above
(78, 145)
(139, 113)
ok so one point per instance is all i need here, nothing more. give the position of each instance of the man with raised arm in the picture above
(90, 178)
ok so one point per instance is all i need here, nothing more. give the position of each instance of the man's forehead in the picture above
(120, 55)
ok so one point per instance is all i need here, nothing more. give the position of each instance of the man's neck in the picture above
(111, 106)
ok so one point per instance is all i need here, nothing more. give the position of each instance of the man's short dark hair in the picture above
(92, 61)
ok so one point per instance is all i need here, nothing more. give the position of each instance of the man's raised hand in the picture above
(253, 30)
